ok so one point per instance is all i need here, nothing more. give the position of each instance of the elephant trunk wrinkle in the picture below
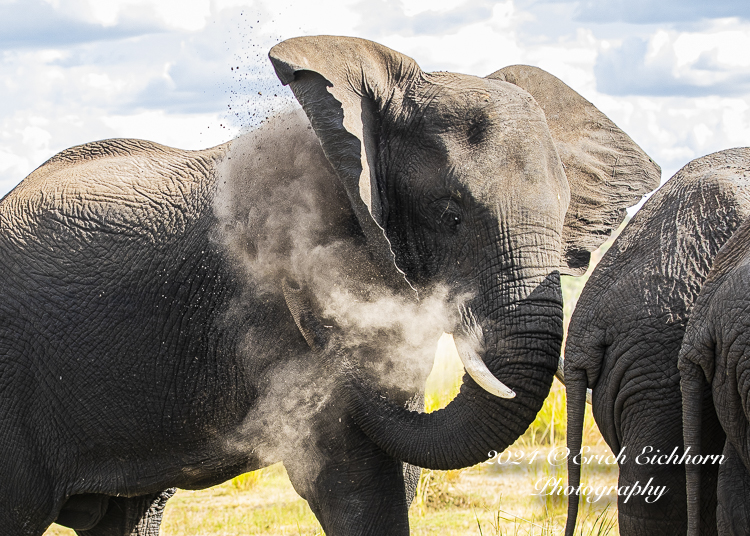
(475, 422)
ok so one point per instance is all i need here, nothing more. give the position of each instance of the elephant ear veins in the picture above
(606, 170)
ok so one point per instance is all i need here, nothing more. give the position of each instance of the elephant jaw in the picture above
(470, 346)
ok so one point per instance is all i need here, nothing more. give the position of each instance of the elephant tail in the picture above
(576, 384)
(692, 384)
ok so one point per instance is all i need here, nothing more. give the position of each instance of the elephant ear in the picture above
(606, 170)
(342, 84)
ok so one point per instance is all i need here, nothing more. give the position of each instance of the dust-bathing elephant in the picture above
(625, 336)
(715, 361)
(145, 342)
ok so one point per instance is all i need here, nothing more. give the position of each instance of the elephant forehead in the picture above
(445, 98)
(486, 127)
(520, 163)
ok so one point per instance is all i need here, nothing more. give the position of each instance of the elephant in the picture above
(713, 362)
(146, 342)
(625, 335)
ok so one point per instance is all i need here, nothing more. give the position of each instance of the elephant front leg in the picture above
(132, 516)
(357, 490)
(733, 495)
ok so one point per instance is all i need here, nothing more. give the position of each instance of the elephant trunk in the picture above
(522, 348)
(692, 384)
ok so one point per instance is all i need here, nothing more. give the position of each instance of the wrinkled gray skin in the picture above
(137, 350)
(715, 356)
(625, 335)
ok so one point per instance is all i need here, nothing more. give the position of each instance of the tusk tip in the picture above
(475, 367)
(501, 391)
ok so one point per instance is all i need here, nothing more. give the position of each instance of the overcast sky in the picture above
(674, 74)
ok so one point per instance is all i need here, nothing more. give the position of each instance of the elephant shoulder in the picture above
(117, 185)
(112, 148)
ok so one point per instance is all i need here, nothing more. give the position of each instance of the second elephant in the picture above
(626, 331)
(715, 361)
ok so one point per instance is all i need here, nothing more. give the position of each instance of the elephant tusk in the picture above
(560, 374)
(467, 345)
(476, 368)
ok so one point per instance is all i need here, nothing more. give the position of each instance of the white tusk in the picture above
(561, 376)
(469, 344)
(476, 368)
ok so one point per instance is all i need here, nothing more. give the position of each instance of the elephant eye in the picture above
(450, 215)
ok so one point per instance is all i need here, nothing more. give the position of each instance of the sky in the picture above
(673, 74)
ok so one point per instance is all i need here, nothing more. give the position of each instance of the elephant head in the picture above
(491, 186)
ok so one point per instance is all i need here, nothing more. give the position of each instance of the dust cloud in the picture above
(283, 214)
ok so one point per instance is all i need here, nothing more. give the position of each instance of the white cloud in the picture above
(477, 47)
(186, 131)
(42, 25)
(182, 14)
(711, 61)
(413, 7)
(728, 46)
(290, 18)
(36, 137)
(72, 71)
(663, 11)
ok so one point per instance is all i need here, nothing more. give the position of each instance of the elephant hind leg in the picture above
(651, 427)
(733, 497)
(131, 516)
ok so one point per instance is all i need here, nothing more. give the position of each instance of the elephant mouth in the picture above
(470, 345)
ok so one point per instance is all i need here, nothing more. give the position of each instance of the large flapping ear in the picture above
(342, 83)
(606, 170)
